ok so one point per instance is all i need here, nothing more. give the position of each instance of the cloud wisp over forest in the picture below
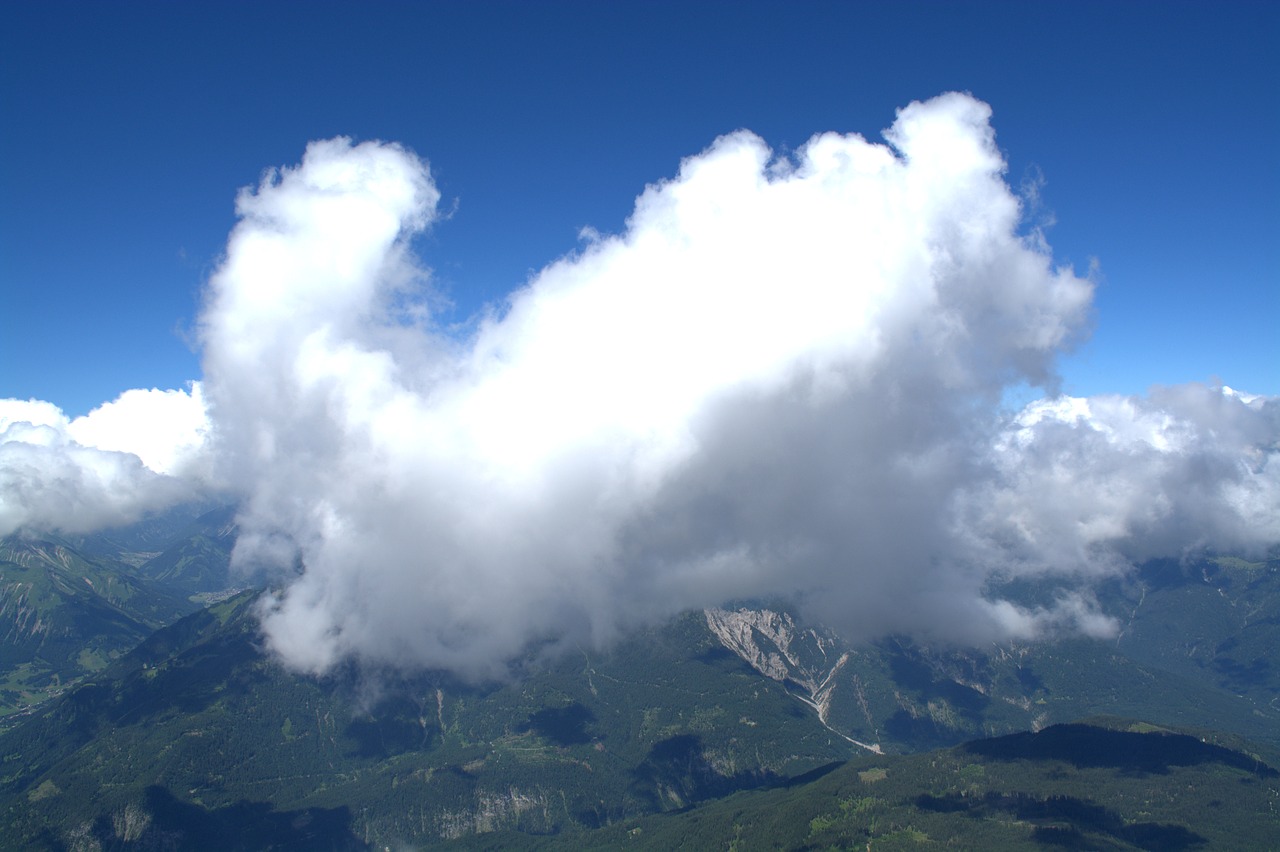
(784, 378)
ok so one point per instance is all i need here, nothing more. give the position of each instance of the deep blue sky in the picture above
(127, 128)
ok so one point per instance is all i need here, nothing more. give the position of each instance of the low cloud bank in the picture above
(141, 453)
(1184, 468)
(783, 378)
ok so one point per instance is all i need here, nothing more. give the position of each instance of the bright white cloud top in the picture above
(782, 379)
(141, 453)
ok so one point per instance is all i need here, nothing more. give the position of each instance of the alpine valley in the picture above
(140, 712)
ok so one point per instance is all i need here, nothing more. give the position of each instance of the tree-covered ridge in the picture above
(196, 729)
(195, 736)
(1194, 647)
(197, 561)
(65, 615)
(197, 718)
(70, 605)
(1215, 620)
(1103, 785)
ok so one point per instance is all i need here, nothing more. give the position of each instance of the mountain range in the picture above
(143, 713)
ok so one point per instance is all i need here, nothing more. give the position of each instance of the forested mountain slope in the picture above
(1194, 647)
(69, 605)
(1105, 785)
(197, 721)
(198, 737)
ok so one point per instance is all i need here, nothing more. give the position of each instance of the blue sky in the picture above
(128, 128)
(770, 382)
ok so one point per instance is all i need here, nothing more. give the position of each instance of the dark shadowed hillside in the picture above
(197, 721)
(196, 737)
(1105, 785)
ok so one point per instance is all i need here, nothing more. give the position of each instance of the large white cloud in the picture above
(774, 381)
(783, 378)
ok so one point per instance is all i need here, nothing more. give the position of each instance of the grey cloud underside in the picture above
(56, 483)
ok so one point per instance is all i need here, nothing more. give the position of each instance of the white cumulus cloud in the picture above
(141, 453)
(775, 380)
(1183, 468)
(165, 429)
(782, 378)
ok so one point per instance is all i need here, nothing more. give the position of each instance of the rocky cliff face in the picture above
(894, 694)
(495, 811)
(809, 662)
